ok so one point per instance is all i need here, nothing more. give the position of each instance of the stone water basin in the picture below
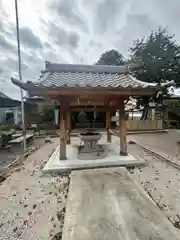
(90, 140)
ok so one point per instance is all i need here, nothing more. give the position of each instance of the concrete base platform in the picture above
(109, 204)
(112, 158)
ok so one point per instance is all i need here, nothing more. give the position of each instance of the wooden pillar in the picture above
(68, 127)
(122, 129)
(63, 119)
(108, 124)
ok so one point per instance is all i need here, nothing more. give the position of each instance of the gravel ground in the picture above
(7, 157)
(32, 205)
(163, 142)
(161, 181)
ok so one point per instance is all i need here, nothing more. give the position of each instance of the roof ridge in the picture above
(58, 67)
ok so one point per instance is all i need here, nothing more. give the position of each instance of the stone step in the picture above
(108, 204)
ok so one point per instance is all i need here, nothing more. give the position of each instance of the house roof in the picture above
(2, 95)
(85, 76)
(6, 101)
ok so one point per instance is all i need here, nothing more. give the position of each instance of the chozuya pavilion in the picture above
(104, 86)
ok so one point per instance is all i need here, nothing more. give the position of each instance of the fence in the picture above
(140, 125)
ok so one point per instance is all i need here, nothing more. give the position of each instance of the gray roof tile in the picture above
(69, 79)
(69, 75)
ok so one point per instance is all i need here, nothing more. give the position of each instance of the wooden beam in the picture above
(87, 103)
(90, 100)
(92, 91)
(103, 109)
(122, 129)
(94, 100)
(97, 101)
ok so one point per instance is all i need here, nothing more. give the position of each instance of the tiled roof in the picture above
(81, 79)
(69, 75)
(81, 76)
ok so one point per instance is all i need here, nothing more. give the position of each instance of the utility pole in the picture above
(20, 75)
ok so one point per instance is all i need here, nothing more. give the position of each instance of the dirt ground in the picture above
(8, 156)
(160, 180)
(164, 142)
(32, 205)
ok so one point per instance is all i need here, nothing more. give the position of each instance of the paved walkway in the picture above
(108, 204)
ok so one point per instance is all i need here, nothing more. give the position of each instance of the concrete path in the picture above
(108, 204)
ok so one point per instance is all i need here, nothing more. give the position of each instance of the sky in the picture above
(75, 31)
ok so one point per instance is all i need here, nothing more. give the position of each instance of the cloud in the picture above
(5, 44)
(76, 31)
(93, 43)
(136, 20)
(29, 38)
(63, 37)
(133, 25)
(13, 64)
(106, 14)
(67, 10)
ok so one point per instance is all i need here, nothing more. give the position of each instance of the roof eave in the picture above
(168, 83)
(46, 91)
(20, 84)
(17, 82)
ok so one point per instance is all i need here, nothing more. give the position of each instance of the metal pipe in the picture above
(20, 75)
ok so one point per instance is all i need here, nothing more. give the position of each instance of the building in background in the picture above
(10, 110)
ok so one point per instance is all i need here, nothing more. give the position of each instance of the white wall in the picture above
(3, 115)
